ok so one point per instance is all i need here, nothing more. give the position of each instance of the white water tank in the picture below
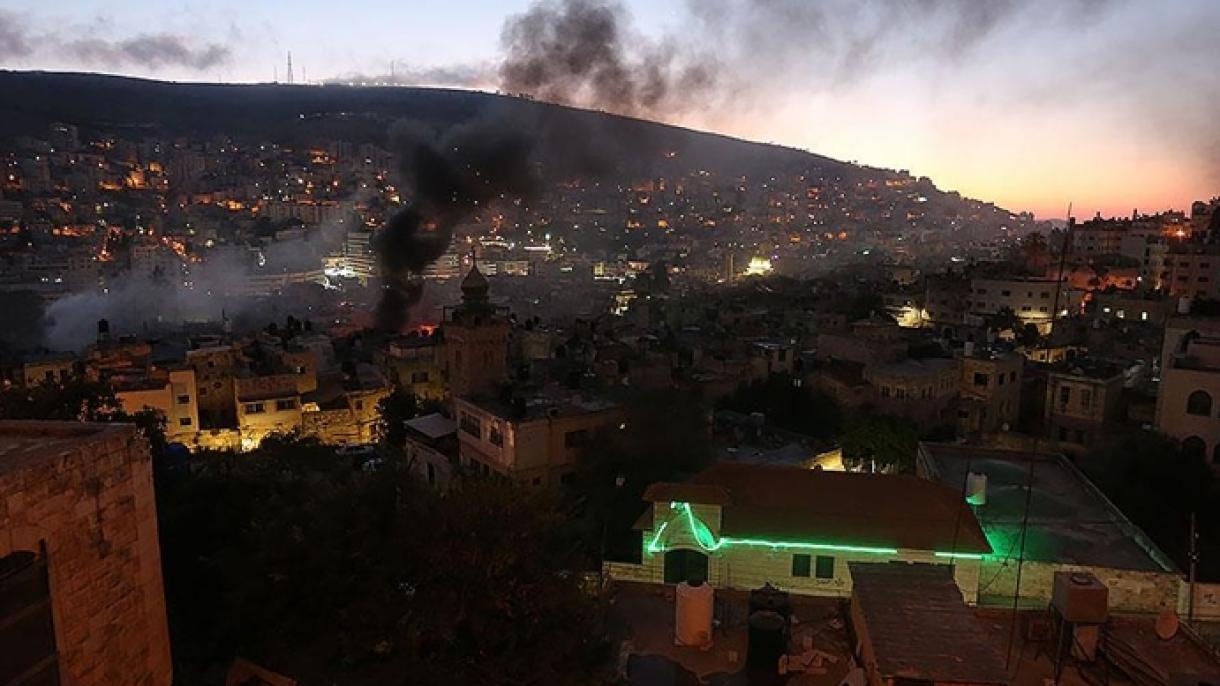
(693, 615)
(976, 488)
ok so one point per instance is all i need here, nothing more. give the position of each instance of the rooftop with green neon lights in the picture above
(801, 509)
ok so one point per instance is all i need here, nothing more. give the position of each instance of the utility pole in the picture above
(1194, 561)
(289, 67)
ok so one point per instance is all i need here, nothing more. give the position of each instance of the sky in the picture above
(1111, 105)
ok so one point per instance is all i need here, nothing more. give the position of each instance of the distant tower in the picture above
(290, 67)
(476, 341)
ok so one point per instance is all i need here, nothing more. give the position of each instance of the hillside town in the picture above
(846, 429)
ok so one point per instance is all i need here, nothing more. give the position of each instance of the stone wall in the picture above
(1130, 591)
(85, 491)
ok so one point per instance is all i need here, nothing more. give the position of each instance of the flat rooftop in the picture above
(26, 443)
(1070, 521)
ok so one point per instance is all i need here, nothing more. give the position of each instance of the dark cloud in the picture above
(14, 40)
(153, 51)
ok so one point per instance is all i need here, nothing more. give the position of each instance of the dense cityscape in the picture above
(330, 383)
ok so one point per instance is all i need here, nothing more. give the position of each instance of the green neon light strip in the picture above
(707, 540)
(962, 556)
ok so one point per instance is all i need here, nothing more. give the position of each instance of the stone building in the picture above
(1083, 397)
(476, 341)
(534, 440)
(990, 390)
(80, 568)
(1188, 402)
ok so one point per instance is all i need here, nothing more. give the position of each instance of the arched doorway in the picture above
(685, 565)
(28, 653)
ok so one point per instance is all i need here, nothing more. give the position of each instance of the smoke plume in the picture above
(576, 52)
(449, 176)
(151, 50)
(14, 42)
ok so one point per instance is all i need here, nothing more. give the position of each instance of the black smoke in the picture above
(150, 50)
(449, 176)
(582, 52)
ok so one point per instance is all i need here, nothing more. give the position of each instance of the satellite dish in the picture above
(1167, 624)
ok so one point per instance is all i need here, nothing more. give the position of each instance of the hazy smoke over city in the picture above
(136, 302)
(150, 50)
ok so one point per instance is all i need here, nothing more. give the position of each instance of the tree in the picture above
(82, 400)
(664, 436)
(321, 568)
(1158, 485)
(392, 411)
(790, 407)
(880, 443)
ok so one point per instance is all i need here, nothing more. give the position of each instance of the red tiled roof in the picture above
(840, 508)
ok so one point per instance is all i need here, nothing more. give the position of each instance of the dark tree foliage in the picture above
(790, 407)
(880, 442)
(1157, 486)
(334, 572)
(867, 305)
(79, 400)
(392, 411)
(664, 436)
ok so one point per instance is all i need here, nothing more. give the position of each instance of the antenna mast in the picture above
(289, 67)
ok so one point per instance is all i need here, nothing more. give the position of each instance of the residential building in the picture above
(81, 597)
(1188, 401)
(1194, 270)
(741, 526)
(1031, 300)
(924, 390)
(432, 449)
(1083, 397)
(990, 388)
(266, 405)
(172, 393)
(534, 440)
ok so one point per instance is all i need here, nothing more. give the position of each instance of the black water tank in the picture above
(767, 643)
(770, 599)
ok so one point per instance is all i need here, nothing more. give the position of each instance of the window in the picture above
(471, 425)
(419, 377)
(254, 408)
(184, 421)
(1044, 295)
(825, 567)
(1012, 376)
(885, 391)
(494, 435)
(980, 379)
(1086, 398)
(284, 405)
(184, 400)
(575, 439)
(782, 355)
(1065, 395)
(801, 565)
(359, 405)
(1006, 293)
(1000, 379)
(1199, 404)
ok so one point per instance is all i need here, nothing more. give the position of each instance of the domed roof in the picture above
(474, 281)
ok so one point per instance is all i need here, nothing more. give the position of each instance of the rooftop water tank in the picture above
(693, 614)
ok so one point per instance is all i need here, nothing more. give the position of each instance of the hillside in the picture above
(31, 100)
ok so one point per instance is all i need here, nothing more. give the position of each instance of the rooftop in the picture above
(835, 508)
(27, 443)
(921, 628)
(1070, 521)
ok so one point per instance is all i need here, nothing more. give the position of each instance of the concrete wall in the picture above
(86, 493)
(1130, 591)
